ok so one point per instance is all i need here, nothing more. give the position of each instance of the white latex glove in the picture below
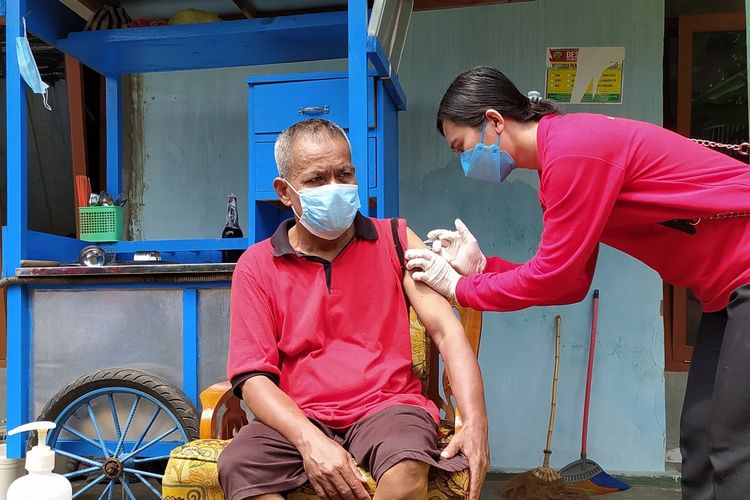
(435, 272)
(460, 249)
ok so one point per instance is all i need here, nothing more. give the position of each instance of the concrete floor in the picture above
(664, 487)
(661, 491)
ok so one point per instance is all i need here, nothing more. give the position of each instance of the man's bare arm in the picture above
(462, 367)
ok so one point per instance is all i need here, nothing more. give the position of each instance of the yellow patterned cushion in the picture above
(420, 348)
(192, 474)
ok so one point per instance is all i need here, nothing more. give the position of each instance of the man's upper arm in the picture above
(252, 341)
(433, 309)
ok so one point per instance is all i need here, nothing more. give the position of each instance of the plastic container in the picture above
(10, 470)
(40, 483)
(101, 224)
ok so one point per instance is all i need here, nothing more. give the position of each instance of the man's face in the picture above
(314, 164)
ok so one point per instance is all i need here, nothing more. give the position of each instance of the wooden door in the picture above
(711, 104)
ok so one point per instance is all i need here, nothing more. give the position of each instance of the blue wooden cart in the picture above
(168, 320)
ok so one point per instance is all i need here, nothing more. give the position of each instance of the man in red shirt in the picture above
(320, 348)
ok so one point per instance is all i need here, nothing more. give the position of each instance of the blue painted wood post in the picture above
(14, 245)
(190, 344)
(357, 47)
(114, 136)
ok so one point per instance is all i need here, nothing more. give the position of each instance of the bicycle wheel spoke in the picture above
(85, 438)
(127, 425)
(144, 473)
(77, 457)
(96, 428)
(147, 483)
(149, 444)
(114, 414)
(81, 472)
(146, 429)
(150, 459)
(108, 489)
(88, 486)
(125, 487)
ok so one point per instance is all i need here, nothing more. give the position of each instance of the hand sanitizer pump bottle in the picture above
(40, 483)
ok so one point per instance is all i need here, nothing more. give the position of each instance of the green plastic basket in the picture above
(100, 224)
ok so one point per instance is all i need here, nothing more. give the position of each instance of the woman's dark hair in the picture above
(475, 91)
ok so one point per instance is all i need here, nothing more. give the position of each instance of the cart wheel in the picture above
(115, 430)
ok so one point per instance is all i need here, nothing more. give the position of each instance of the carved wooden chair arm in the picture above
(215, 425)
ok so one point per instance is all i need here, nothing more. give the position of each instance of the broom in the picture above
(585, 473)
(544, 483)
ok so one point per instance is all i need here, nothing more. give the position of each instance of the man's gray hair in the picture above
(313, 129)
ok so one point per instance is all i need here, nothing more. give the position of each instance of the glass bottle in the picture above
(231, 230)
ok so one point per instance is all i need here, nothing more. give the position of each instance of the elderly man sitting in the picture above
(319, 346)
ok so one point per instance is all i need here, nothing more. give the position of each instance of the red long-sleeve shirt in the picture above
(613, 180)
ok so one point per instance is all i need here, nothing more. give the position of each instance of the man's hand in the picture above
(472, 440)
(332, 471)
(459, 248)
(433, 270)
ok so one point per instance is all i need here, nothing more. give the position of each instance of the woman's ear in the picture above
(495, 120)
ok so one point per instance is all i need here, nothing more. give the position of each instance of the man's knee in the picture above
(407, 477)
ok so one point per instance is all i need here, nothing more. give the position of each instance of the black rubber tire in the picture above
(169, 395)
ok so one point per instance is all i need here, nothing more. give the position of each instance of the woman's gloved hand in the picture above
(459, 248)
(433, 270)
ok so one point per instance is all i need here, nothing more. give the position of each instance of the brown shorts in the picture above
(260, 461)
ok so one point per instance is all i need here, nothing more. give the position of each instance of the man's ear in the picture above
(282, 191)
(495, 120)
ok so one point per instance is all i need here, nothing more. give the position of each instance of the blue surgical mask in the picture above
(487, 163)
(328, 211)
(28, 68)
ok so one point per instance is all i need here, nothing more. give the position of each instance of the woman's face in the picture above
(462, 138)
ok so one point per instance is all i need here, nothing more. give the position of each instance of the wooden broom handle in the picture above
(589, 374)
(553, 405)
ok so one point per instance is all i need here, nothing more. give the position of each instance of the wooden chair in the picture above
(192, 473)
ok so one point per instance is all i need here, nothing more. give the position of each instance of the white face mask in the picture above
(328, 211)
(28, 68)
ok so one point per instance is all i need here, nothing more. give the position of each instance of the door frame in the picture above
(677, 352)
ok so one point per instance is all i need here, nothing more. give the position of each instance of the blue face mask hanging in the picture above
(28, 68)
(487, 163)
(328, 211)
